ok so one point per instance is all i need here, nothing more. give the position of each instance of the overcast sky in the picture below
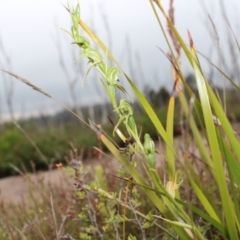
(30, 31)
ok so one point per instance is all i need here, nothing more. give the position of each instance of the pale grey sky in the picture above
(29, 29)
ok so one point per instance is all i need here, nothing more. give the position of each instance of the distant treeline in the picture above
(56, 136)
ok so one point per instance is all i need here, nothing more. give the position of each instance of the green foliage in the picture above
(16, 151)
(54, 142)
(193, 194)
(166, 198)
(158, 98)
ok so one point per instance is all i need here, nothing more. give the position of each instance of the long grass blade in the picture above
(169, 129)
(151, 195)
(214, 146)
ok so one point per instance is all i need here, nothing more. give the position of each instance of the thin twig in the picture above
(93, 217)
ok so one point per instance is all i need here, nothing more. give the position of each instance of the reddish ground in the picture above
(13, 189)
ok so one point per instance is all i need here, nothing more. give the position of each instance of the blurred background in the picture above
(34, 45)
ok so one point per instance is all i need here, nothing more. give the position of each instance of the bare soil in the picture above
(14, 189)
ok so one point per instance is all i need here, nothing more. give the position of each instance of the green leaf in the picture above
(150, 112)
(97, 41)
(169, 152)
(214, 147)
(137, 177)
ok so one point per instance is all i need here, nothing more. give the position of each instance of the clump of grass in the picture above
(222, 143)
(47, 212)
